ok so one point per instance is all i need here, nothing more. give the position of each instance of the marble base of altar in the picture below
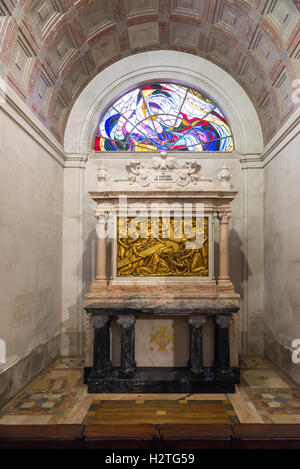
(160, 380)
(103, 378)
(146, 268)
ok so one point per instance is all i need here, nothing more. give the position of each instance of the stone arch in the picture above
(80, 175)
(158, 65)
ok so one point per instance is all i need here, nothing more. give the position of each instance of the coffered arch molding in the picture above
(163, 65)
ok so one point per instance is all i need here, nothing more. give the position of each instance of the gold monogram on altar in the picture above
(162, 247)
(162, 338)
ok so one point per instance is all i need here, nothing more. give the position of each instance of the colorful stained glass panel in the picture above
(163, 117)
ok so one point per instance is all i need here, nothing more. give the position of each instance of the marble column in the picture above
(101, 343)
(127, 323)
(101, 248)
(222, 344)
(224, 218)
(213, 225)
(196, 326)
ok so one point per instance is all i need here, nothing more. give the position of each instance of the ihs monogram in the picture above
(162, 338)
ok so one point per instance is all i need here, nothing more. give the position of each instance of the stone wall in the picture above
(282, 256)
(31, 193)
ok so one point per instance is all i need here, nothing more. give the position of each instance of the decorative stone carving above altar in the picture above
(224, 177)
(102, 177)
(164, 172)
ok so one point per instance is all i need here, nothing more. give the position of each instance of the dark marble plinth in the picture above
(103, 378)
(153, 380)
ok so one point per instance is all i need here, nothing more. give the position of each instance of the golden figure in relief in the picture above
(162, 247)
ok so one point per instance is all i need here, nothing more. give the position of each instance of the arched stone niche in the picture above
(163, 65)
(83, 162)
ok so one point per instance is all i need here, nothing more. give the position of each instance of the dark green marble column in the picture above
(222, 344)
(127, 323)
(196, 360)
(101, 343)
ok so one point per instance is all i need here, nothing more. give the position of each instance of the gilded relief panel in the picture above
(162, 247)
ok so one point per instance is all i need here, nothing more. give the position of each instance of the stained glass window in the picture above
(163, 117)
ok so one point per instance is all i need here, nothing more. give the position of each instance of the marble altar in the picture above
(155, 262)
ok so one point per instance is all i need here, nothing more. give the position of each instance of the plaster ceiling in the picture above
(51, 49)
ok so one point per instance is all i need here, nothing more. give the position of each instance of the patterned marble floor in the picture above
(58, 396)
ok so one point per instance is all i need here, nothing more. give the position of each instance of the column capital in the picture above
(224, 321)
(102, 227)
(126, 320)
(98, 320)
(224, 216)
(101, 218)
(197, 321)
